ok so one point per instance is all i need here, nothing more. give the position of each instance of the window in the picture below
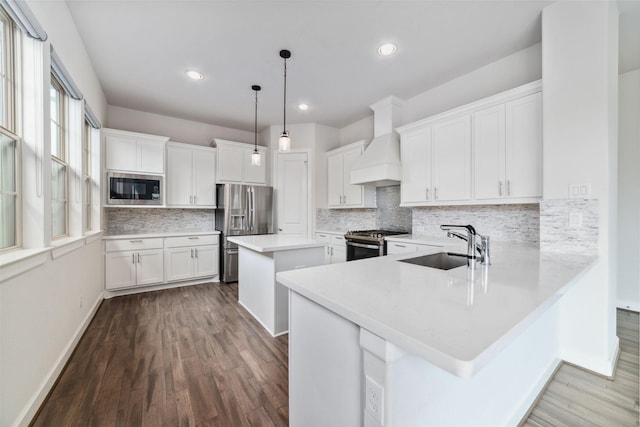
(9, 142)
(59, 165)
(86, 173)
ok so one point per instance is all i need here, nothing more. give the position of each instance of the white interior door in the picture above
(292, 194)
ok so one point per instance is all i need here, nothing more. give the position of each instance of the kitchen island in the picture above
(259, 259)
(418, 346)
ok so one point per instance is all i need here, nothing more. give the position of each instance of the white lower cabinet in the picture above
(335, 247)
(135, 262)
(394, 248)
(140, 262)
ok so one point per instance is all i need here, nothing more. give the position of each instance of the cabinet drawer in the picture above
(323, 237)
(400, 248)
(337, 240)
(176, 242)
(133, 244)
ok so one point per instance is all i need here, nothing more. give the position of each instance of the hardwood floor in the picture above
(575, 397)
(181, 357)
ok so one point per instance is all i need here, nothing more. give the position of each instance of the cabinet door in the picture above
(120, 268)
(489, 153)
(205, 261)
(339, 254)
(150, 156)
(352, 193)
(230, 164)
(335, 178)
(121, 153)
(452, 160)
(524, 147)
(394, 248)
(415, 151)
(255, 174)
(204, 177)
(179, 262)
(179, 176)
(150, 266)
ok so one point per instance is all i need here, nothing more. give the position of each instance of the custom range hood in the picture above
(379, 164)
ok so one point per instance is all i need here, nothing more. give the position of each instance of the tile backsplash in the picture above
(389, 215)
(145, 220)
(502, 223)
(557, 236)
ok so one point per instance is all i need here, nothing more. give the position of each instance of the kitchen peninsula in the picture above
(421, 346)
(260, 258)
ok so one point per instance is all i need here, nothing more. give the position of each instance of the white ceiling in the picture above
(140, 50)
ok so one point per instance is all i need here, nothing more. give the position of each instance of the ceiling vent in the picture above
(379, 164)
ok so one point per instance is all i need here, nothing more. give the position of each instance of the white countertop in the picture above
(274, 242)
(331, 231)
(154, 235)
(425, 240)
(453, 320)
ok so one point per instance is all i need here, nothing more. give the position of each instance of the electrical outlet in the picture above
(374, 399)
(575, 219)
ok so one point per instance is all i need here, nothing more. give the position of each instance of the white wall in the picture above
(55, 18)
(506, 73)
(179, 130)
(43, 311)
(580, 125)
(628, 262)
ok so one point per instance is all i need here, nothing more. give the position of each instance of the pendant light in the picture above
(284, 143)
(255, 156)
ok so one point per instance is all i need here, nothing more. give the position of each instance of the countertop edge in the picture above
(159, 235)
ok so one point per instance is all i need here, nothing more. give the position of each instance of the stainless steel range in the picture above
(367, 243)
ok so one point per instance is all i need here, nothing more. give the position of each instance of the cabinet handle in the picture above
(133, 258)
(435, 193)
(135, 241)
(191, 252)
(196, 249)
(193, 238)
(195, 200)
(138, 257)
(508, 188)
(332, 251)
(427, 192)
(499, 188)
(399, 246)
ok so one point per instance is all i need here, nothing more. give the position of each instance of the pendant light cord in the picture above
(284, 115)
(255, 126)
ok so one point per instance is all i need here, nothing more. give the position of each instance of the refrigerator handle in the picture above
(252, 212)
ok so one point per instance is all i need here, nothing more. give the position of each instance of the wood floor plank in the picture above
(187, 356)
(577, 397)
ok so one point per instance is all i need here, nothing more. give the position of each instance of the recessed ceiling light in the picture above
(303, 107)
(387, 49)
(194, 75)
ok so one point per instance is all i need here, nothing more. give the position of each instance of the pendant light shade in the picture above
(255, 156)
(284, 143)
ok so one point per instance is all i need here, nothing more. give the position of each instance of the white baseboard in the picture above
(262, 323)
(629, 305)
(130, 291)
(29, 411)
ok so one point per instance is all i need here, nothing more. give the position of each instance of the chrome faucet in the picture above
(473, 245)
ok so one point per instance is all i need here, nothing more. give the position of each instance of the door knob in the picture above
(279, 229)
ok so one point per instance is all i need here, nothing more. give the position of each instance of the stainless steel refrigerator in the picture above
(242, 210)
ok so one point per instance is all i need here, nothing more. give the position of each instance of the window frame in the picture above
(17, 190)
(87, 176)
(64, 149)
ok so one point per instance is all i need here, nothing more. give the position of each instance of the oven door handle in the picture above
(360, 245)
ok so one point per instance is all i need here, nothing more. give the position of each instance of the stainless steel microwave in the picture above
(133, 189)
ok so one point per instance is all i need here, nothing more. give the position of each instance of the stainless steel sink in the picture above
(441, 260)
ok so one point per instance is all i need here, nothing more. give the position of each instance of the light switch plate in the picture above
(579, 191)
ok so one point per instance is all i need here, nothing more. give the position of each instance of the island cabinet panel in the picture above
(325, 383)
(335, 249)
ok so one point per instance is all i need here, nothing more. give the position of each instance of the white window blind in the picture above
(63, 77)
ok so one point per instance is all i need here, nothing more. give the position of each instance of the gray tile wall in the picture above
(502, 223)
(144, 220)
(389, 215)
(557, 236)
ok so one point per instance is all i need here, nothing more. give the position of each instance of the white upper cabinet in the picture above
(134, 152)
(508, 150)
(489, 151)
(451, 161)
(191, 175)
(234, 163)
(340, 192)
